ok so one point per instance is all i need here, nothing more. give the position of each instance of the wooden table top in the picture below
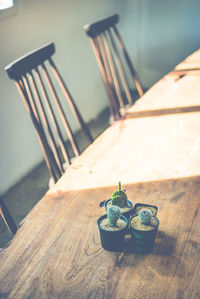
(155, 153)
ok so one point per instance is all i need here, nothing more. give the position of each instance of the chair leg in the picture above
(7, 217)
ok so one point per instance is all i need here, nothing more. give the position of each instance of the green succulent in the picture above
(113, 214)
(118, 200)
(145, 216)
(119, 197)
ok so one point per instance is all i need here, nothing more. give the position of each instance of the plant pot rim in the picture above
(143, 231)
(109, 231)
(144, 205)
(129, 202)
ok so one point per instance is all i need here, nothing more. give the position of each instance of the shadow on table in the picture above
(164, 244)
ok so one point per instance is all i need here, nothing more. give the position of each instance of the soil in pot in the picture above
(136, 223)
(104, 224)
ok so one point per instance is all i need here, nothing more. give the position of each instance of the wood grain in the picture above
(154, 151)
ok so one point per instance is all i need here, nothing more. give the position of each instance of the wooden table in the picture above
(155, 152)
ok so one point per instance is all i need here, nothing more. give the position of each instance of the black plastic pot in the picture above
(143, 240)
(145, 206)
(112, 240)
(126, 214)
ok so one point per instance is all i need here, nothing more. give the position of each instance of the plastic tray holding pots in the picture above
(112, 240)
(126, 214)
(146, 206)
(143, 241)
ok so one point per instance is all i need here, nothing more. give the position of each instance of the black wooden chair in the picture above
(118, 74)
(35, 75)
(5, 214)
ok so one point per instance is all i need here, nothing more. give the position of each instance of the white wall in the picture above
(158, 35)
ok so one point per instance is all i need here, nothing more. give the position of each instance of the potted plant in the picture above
(112, 228)
(120, 199)
(143, 228)
(140, 206)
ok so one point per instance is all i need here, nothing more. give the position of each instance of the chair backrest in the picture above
(118, 73)
(7, 217)
(42, 89)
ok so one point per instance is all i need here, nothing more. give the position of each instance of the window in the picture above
(6, 4)
(8, 8)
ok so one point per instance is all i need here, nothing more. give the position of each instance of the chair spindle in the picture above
(35, 75)
(118, 74)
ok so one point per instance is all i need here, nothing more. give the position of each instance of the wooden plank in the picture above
(191, 62)
(154, 151)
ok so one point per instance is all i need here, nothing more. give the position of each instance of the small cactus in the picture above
(113, 214)
(145, 216)
(119, 197)
(118, 200)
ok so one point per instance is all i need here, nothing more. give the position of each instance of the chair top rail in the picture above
(96, 28)
(30, 61)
